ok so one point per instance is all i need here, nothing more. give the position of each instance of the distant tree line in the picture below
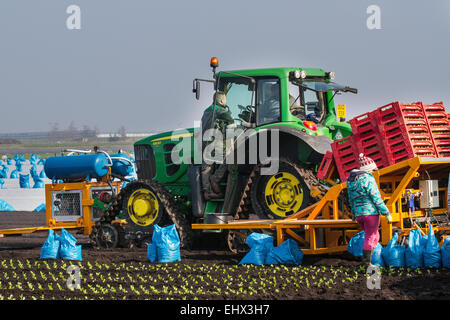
(86, 133)
(71, 132)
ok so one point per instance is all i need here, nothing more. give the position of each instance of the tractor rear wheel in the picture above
(282, 194)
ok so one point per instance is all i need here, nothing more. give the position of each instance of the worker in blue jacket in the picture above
(366, 204)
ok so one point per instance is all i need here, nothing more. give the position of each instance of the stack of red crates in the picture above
(405, 131)
(439, 125)
(393, 133)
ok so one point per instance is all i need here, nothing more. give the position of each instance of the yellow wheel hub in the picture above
(283, 194)
(143, 207)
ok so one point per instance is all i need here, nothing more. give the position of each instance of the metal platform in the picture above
(327, 226)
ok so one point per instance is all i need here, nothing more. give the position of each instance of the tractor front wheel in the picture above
(142, 207)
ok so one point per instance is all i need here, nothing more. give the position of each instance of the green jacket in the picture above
(222, 118)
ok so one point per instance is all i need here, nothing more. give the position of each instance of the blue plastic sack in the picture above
(151, 252)
(33, 171)
(393, 253)
(3, 174)
(68, 248)
(8, 161)
(167, 243)
(432, 252)
(355, 245)
(14, 174)
(24, 180)
(414, 250)
(42, 161)
(260, 246)
(38, 183)
(5, 206)
(40, 208)
(42, 175)
(445, 253)
(50, 248)
(286, 253)
(2, 182)
(19, 166)
(377, 256)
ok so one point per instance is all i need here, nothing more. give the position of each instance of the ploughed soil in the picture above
(207, 272)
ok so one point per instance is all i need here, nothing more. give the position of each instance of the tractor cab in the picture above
(300, 97)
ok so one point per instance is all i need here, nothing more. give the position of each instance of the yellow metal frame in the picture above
(326, 226)
(84, 223)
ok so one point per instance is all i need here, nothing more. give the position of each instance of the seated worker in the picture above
(269, 109)
(296, 110)
(212, 174)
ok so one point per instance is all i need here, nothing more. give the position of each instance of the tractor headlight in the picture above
(331, 75)
(297, 74)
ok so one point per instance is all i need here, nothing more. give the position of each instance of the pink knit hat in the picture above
(366, 163)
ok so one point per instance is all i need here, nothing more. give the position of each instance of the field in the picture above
(203, 274)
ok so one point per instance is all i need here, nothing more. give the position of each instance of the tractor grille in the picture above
(66, 206)
(145, 162)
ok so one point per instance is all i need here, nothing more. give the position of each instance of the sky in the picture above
(132, 62)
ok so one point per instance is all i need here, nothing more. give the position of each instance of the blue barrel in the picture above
(76, 167)
(121, 167)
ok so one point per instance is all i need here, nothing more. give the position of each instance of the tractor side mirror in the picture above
(196, 89)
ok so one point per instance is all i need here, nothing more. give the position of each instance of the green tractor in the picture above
(300, 127)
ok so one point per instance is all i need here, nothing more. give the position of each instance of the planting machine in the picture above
(304, 199)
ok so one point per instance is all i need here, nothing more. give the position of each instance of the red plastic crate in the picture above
(439, 125)
(345, 154)
(372, 146)
(365, 124)
(405, 131)
(326, 166)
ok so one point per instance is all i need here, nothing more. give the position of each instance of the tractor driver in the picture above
(296, 110)
(212, 173)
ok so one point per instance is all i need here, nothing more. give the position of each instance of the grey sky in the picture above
(132, 63)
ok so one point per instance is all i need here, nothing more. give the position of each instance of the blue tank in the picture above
(76, 167)
(121, 167)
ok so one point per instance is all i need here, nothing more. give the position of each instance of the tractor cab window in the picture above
(307, 104)
(239, 95)
(268, 101)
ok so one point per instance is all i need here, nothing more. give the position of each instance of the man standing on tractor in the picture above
(216, 116)
(366, 204)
